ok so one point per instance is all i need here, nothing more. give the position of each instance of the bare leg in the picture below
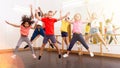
(42, 48)
(41, 51)
(102, 40)
(56, 46)
(114, 39)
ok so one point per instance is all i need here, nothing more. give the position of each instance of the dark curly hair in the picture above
(25, 18)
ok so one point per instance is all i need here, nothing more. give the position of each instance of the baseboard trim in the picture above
(63, 51)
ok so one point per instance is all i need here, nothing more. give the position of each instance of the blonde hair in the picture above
(76, 15)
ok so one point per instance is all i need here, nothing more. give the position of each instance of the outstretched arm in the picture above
(12, 24)
(62, 17)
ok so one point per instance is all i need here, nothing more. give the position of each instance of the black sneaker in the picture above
(39, 57)
(59, 43)
(59, 56)
(26, 46)
(51, 45)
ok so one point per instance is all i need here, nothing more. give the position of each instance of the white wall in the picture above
(12, 10)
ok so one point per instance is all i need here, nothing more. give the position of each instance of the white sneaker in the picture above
(13, 56)
(108, 49)
(65, 55)
(34, 56)
(91, 54)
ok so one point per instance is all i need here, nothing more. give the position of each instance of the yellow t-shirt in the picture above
(64, 26)
(87, 29)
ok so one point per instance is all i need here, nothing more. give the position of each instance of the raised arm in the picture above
(112, 16)
(12, 24)
(63, 16)
(41, 11)
(54, 12)
(88, 13)
(31, 11)
(37, 16)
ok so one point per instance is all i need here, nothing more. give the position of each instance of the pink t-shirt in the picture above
(77, 27)
(24, 31)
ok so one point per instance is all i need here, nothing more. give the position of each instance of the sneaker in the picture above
(59, 56)
(91, 54)
(108, 49)
(26, 46)
(13, 56)
(39, 57)
(51, 45)
(34, 56)
(65, 55)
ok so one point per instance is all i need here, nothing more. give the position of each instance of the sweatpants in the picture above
(24, 39)
(75, 38)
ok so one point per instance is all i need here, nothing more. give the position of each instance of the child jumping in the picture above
(49, 31)
(77, 35)
(24, 31)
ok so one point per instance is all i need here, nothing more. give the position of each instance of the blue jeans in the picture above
(75, 38)
(37, 31)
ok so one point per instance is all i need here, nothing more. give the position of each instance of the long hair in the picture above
(25, 18)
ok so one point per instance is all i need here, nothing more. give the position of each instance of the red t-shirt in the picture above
(49, 25)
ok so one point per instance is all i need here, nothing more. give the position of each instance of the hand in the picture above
(60, 11)
(36, 11)
(55, 11)
(7, 22)
(31, 6)
(39, 8)
(68, 13)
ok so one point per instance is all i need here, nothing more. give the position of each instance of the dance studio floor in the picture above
(51, 60)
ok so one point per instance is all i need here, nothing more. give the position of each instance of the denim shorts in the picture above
(109, 32)
(64, 34)
(94, 30)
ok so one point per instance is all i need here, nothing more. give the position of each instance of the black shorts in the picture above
(64, 34)
(86, 33)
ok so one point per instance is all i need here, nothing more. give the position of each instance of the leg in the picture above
(87, 37)
(114, 39)
(81, 39)
(66, 41)
(29, 43)
(73, 40)
(51, 44)
(110, 40)
(18, 45)
(43, 46)
(53, 40)
(34, 35)
(41, 49)
(102, 40)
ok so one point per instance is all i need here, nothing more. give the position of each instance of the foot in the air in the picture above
(51, 45)
(26, 46)
(39, 57)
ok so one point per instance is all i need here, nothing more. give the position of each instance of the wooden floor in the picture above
(50, 60)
